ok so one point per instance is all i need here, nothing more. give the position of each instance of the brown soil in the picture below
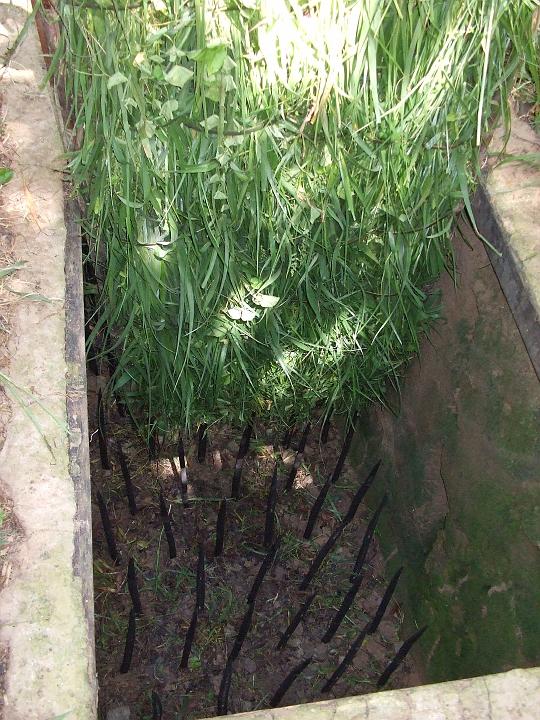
(167, 586)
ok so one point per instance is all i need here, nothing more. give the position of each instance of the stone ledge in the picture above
(507, 212)
(513, 695)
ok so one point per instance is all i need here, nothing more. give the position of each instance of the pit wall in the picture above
(461, 454)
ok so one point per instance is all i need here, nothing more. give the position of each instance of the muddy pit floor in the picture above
(167, 587)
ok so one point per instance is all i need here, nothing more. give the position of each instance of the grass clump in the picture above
(270, 187)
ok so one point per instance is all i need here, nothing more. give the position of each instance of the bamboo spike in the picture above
(347, 660)
(242, 452)
(201, 579)
(277, 697)
(157, 707)
(181, 478)
(288, 435)
(366, 540)
(167, 527)
(316, 508)
(325, 430)
(360, 493)
(270, 520)
(130, 643)
(183, 470)
(265, 566)
(130, 489)
(153, 446)
(102, 433)
(385, 601)
(400, 656)
(344, 450)
(107, 528)
(342, 610)
(133, 589)
(202, 443)
(190, 636)
(220, 528)
(319, 557)
(286, 635)
(243, 630)
(298, 458)
(224, 689)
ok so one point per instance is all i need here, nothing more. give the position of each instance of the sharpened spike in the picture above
(220, 528)
(319, 557)
(133, 589)
(107, 528)
(342, 610)
(286, 635)
(102, 433)
(344, 451)
(400, 656)
(265, 566)
(347, 660)
(190, 636)
(202, 443)
(385, 601)
(130, 489)
(270, 520)
(167, 527)
(277, 697)
(366, 540)
(298, 458)
(316, 508)
(224, 690)
(201, 579)
(360, 493)
(130, 643)
(157, 707)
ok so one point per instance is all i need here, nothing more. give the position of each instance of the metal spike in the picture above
(201, 578)
(366, 540)
(344, 450)
(342, 610)
(298, 458)
(202, 442)
(347, 660)
(316, 508)
(385, 602)
(190, 636)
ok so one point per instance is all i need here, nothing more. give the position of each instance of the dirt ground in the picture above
(167, 587)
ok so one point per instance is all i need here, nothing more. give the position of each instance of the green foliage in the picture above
(271, 186)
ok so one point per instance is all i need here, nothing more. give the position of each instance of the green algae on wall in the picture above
(461, 463)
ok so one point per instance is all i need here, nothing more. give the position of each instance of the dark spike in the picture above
(130, 643)
(224, 689)
(153, 446)
(270, 521)
(242, 452)
(277, 697)
(342, 610)
(325, 430)
(243, 630)
(157, 707)
(319, 557)
(400, 656)
(265, 566)
(344, 450)
(347, 660)
(107, 528)
(201, 578)
(366, 540)
(102, 434)
(359, 495)
(316, 508)
(190, 636)
(286, 635)
(130, 489)
(385, 601)
(220, 528)
(298, 458)
(167, 527)
(181, 478)
(181, 453)
(133, 589)
(202, 443)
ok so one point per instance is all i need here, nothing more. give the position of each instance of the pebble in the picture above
(121, 712)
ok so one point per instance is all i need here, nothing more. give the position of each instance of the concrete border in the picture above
(514, 695)
(507, 212)
(46, 609)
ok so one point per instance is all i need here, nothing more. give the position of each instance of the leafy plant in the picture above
(271, 185)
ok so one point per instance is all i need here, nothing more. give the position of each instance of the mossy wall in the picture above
(461, 464)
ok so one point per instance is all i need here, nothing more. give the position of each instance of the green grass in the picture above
(270, 188)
